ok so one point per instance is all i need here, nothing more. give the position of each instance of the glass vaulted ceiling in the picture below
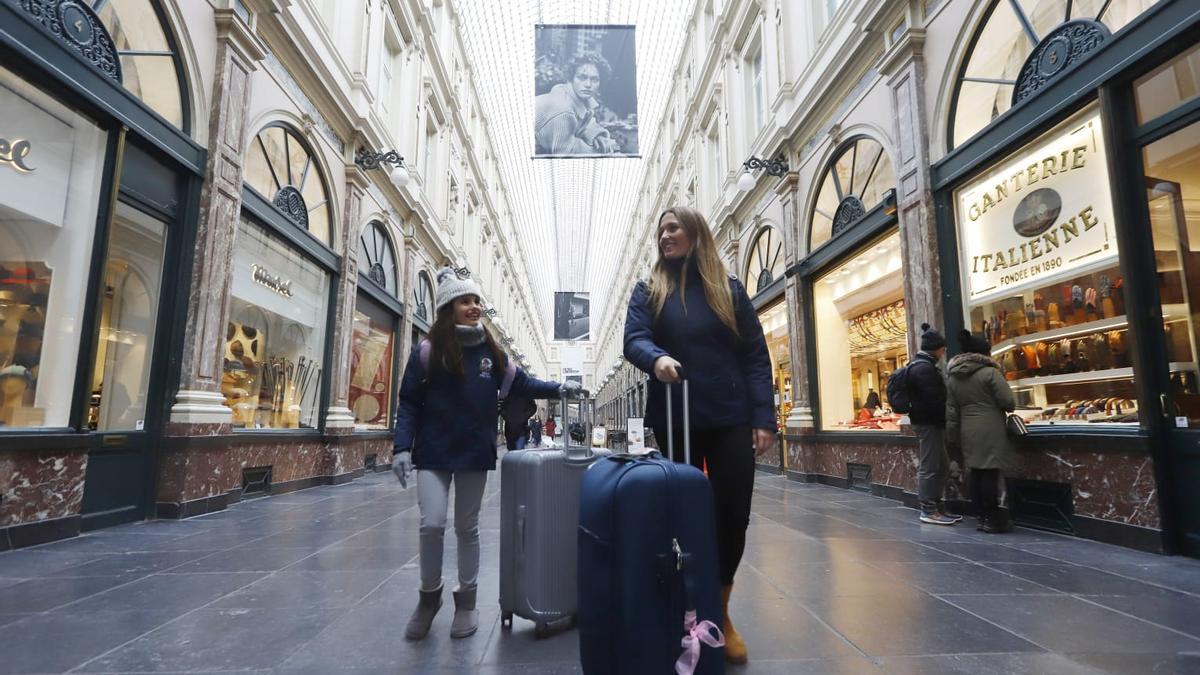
(572, 215)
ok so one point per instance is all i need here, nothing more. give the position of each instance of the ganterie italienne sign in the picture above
(1040, 215)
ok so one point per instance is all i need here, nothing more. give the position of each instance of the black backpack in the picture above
(897, 389)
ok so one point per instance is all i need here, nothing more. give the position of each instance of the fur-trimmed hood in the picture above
(965, 365)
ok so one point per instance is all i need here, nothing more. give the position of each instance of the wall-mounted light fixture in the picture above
(367, 161)
(774, 167)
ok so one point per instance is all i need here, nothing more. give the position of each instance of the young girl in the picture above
(446, 428)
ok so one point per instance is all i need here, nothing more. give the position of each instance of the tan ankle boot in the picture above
(735, 647)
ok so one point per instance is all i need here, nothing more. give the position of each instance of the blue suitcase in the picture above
(648, 550)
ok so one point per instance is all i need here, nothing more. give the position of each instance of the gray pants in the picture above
(934, 465)
(433, 496)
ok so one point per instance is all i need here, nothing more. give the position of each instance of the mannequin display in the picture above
(15, 383)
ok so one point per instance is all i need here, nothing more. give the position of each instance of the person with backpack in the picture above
(535, 431)
(924, 385)
(446, 429)
(692, 316)
(977, 404)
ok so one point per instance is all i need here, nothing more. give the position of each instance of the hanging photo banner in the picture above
(585, 87)
(572, 364)
(1044, 213)
(572, 316)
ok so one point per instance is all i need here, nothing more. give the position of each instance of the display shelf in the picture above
(1093, 376)
(1088, 328)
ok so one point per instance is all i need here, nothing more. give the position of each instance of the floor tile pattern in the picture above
(833, 581)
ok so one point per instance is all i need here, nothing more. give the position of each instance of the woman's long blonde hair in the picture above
(712, 271)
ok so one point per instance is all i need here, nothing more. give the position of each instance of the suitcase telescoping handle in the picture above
(587, 427)
(687, 425)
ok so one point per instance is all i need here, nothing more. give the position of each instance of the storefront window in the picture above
(371, 348)
(1005, 40)
(51, 165)
(1168, 87)
(853, 184)
(1041, 277)
(861, 330)
(128, 320)
(765, 263)
(775, 328)
(149, 68)
(275, 340)
(280, 167)
(1172, 168)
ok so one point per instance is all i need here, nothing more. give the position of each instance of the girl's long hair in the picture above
(712, 270)
(446, 354)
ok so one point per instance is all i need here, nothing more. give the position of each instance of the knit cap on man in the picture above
(931, 339)
(451, 287)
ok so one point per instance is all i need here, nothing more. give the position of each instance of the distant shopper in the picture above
(535, 431)
(446, 428)
(927, 391)
(515, 410)
(550, 428)
(692, 315)
(978, 399)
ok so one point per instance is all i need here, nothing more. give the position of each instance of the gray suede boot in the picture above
(466, 617)
(422, 616)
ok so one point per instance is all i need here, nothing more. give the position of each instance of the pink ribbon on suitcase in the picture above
(696, 633)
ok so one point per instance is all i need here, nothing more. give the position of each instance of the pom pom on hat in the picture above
(451, 287)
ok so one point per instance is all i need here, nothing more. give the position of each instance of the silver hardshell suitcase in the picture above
(539, 521)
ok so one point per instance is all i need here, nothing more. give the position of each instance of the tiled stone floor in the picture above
(321, 581)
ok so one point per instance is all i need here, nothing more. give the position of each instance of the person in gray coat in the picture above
(977, 401)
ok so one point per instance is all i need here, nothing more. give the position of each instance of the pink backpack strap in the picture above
(510, 374)
(425, 347)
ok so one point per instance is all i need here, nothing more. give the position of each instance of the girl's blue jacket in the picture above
(450, 424)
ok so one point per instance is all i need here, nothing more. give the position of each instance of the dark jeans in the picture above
(985, 492)
(729, 454)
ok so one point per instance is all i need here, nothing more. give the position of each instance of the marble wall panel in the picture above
(1112, 486)
(41, 485)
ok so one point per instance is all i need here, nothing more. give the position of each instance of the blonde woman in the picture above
(693, 316)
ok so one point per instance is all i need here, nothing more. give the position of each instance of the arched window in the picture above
(150, 66)
(765, 263)
(854, 183)
(423, 297)
(282, 168)
(376, 258)
(1009, 33)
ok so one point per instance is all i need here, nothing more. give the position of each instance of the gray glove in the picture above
(402, 466)
(571, 390)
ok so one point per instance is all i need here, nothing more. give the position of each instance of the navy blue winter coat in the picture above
(729, 375)
(450, 424)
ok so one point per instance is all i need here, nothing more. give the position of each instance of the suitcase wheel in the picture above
(506, 620)
(541, 629)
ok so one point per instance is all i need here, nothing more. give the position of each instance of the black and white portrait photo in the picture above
(585, 82)
(572, 316)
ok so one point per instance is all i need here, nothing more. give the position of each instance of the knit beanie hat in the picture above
(974, 343)
(451, 287)
(930, 338)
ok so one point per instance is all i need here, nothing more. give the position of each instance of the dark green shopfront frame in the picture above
(162, 175)
(1153, 38)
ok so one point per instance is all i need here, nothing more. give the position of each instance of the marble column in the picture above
(339, 419)
(904, 66)
(408, 276)
(800, 420)
(199, 407)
